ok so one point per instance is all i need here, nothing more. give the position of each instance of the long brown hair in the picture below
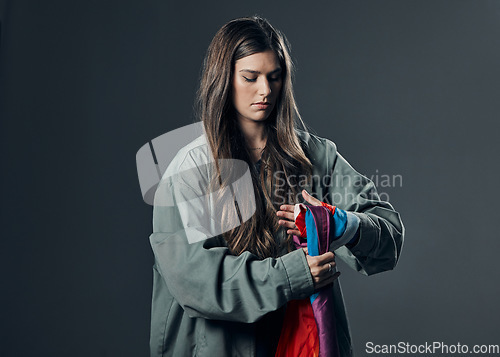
(283, 158)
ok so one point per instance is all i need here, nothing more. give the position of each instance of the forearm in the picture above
(380, 229)
(379, 244)
(210, 283)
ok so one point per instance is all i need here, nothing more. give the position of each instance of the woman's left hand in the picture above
(286, 212)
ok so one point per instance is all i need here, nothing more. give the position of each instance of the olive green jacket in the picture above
(206, 302)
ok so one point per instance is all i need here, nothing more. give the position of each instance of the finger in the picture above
(333, 277)
(294, 232)
(312, 200)
(287, 224)
(305, 250)
(326, 270)
(288, 208)
(287, 215)
(326, 258)
(319, 271)
(327, 281)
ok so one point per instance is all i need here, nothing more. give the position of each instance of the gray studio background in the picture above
(405, 88)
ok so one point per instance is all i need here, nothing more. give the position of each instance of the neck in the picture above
(254, 133)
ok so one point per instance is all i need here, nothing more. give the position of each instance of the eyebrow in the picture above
(258, 72)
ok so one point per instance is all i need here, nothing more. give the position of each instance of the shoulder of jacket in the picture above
(193, 154)
(315, 144)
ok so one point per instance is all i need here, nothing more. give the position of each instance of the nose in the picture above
(265, 87)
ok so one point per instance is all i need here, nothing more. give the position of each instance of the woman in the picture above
(225, 294)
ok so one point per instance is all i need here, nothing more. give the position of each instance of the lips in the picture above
(262, 105)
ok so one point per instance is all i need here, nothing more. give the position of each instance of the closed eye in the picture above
(272, 79)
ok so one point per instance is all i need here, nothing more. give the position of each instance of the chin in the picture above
(262, 118)
(265, 116)
(257, 117)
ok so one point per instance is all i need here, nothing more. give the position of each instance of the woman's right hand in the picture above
(320, 269)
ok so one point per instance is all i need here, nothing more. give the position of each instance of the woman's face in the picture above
(256, 85)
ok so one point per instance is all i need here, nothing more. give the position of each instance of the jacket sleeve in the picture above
(209, 282)
(381, 231)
